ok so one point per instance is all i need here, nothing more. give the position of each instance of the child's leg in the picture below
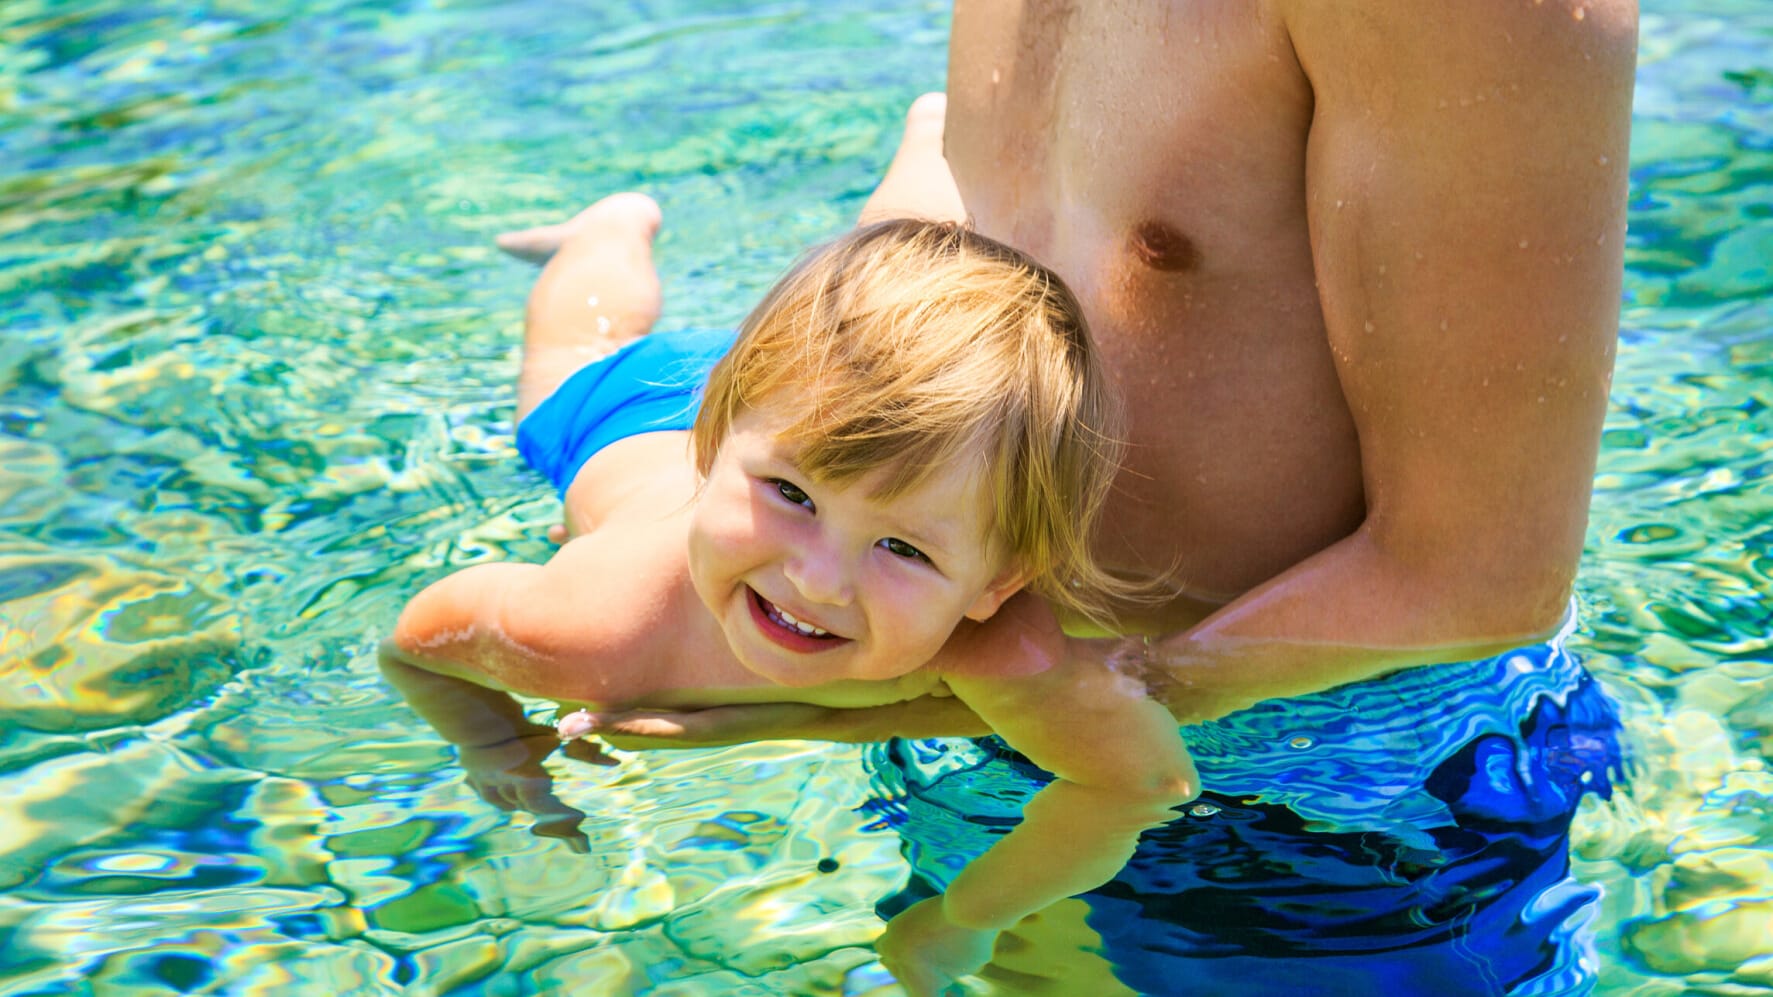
(598, 291)
(917, 182)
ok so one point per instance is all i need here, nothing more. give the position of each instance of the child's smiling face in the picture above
(815, 582)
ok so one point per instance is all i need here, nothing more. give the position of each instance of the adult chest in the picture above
(1154, 154)
(1169, 133)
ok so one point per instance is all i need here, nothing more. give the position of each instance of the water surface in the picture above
(256, 356)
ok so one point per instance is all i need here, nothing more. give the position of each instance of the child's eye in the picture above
(900, 548)
(791, 491)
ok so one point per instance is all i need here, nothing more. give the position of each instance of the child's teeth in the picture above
(805, 628)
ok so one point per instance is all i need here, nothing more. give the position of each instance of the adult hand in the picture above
(509, 775)
(635, 730)
(927, 953)
(925, 716)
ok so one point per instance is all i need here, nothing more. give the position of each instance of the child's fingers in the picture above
(555, 818)
(494, 793)
(563, 828)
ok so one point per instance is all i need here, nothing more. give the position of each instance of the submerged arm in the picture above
(447, 660)
(1119, 766)
(926, 716)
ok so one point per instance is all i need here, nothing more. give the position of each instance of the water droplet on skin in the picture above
(603, 324)
(1443, 325)
(1601, 160)
(1523, 244)
(591, 302)
(1203, 810)
(1369, 327)
(996, 76)
(1579, 13)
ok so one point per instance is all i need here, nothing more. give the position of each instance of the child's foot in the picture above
(617, 211)
(597, 291)
(917, 183)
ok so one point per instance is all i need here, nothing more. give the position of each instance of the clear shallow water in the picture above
(255, 366)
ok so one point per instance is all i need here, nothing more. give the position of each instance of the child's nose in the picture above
(819, 576)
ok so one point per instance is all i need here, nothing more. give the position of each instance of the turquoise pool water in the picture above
(255, 366)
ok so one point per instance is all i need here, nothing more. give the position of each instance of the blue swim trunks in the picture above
(651, 385)
(1403, 835)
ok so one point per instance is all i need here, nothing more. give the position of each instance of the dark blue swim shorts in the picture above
(1403, 835)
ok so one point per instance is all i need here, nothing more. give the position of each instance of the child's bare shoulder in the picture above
(571, 628)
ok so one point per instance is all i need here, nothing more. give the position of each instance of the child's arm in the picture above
(1120, 766)
(499, 749)
(453, 654)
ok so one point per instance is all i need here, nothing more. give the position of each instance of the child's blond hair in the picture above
(911, 344)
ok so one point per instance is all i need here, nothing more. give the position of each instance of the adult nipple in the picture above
(1161, 246)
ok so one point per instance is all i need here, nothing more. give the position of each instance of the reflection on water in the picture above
(255, 389)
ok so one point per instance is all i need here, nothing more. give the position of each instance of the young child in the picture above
(908, 431)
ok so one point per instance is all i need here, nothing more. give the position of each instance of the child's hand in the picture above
(927, 953)
(509, 775)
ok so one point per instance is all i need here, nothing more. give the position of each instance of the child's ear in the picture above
(1007, 583)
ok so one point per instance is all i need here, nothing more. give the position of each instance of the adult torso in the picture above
(1154, 155)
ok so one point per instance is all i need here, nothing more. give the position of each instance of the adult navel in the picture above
(1161, 246)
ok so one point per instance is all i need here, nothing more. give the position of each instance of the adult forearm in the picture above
(926, 716)
(1356, 610)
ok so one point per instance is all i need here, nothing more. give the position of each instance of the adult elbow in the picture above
(1529, 602)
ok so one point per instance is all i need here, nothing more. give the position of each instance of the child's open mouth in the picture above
(781, 627)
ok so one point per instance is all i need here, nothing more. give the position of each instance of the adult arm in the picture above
(1466, 186)
(925, 716)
